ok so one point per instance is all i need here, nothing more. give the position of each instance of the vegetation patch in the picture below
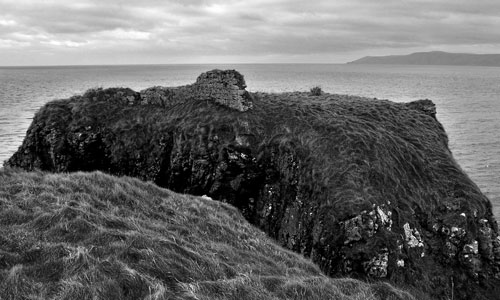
(316, 91)
(95, 236)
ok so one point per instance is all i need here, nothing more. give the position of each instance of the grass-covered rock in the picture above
(94, 236)
(365, 188)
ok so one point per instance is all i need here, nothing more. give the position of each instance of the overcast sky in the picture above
(57, 32)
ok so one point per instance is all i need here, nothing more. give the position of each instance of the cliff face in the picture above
(365, 188)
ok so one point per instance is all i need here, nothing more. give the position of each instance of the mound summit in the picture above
(365, 188)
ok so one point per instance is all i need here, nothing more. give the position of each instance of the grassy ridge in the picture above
(94, 236)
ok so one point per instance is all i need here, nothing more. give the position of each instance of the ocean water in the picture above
(467, 98)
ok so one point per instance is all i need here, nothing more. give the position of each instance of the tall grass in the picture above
(316, 91)
(94, 236)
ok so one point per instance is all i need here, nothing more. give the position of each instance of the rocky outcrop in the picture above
(366, 188)
(425, 105)
(224, 87)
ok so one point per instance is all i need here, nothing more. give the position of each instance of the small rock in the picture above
(400, 263)
(425, 105)
(377, 266)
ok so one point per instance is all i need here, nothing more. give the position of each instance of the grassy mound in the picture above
(94, 236)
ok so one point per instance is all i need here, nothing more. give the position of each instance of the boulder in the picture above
(425, 105)
(365, 188)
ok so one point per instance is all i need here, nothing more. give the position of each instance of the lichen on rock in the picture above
(485, 239)
(471, 260)
(366, 224)
(412, 236)
(377, 266)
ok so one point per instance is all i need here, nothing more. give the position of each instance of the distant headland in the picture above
(433, 58)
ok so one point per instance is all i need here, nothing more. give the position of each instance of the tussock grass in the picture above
(95, 236)
(316, 91)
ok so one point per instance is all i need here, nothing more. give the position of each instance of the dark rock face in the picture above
(364, 188)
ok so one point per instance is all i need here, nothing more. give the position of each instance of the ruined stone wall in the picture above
(224, 87)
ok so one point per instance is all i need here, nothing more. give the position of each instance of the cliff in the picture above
(365, 188)
(434, 58)
(94, 236)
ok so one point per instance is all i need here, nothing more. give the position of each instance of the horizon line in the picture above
(173, 64)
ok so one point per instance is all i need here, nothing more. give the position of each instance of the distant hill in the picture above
(434, 58)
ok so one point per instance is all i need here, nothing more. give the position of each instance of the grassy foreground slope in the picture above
(95, 236)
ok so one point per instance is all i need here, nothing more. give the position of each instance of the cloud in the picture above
(186, 30)
(7, 22)
(64, 43)
(11, 44)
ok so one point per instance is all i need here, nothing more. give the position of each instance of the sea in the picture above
(467, 98)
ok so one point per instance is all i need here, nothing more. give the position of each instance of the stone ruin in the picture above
(226, 87)
(424, 105)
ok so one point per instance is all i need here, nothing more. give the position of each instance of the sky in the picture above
(83, 32)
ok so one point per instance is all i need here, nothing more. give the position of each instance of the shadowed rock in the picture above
(365, 188)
